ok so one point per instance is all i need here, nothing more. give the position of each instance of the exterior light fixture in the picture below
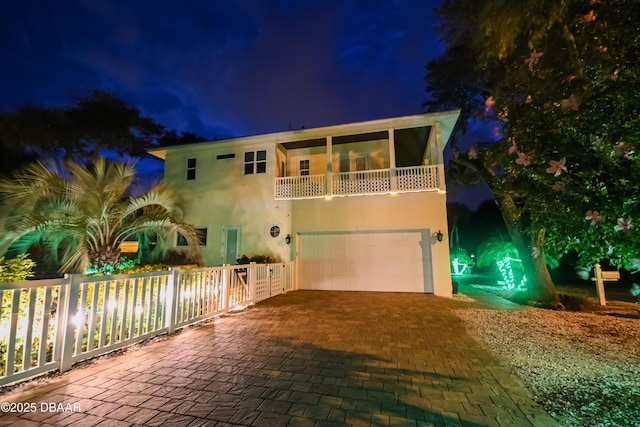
(439, 236)
(287, 239)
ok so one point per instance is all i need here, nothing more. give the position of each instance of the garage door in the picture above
(389, 261)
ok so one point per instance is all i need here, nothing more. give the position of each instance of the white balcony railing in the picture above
(300, 187)
(415, 178)
(380, 181)
(362, 182)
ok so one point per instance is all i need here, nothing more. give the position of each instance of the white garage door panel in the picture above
(392, 261)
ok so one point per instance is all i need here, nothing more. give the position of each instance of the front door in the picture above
(231, 244)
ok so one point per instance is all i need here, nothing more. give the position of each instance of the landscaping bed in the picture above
(583, 367)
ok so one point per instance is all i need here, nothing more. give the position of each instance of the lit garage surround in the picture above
(382, 261)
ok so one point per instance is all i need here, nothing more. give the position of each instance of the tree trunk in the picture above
(539, 282)
(107, 255)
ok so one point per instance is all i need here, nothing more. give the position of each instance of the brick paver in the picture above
(305, 358)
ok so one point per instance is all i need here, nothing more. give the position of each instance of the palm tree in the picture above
(83, 214)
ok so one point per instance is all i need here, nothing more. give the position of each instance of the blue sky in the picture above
(223, 68)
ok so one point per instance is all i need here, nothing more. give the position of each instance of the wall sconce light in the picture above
(439, 236)
(287, 239)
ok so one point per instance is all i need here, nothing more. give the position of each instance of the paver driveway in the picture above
(305, 358)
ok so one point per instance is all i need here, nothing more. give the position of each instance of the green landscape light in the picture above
(506, 270)
(459, 268)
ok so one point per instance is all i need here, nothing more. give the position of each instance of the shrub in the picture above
(258, 259)
(175, 257)
(16, 269)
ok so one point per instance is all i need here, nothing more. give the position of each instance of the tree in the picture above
(175, 138)
(84, 214)
(96, 121)
(560, 82)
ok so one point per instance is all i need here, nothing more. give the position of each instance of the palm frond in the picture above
(84, 214)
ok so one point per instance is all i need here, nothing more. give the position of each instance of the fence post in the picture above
(225, 288)
(251, 281)
(171, 295)
(71, 323)
(286, 282)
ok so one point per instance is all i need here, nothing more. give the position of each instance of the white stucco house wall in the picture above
(357, 206)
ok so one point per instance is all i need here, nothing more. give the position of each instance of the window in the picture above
(274, 231)
(225, 156)
(191, 169)
(304, 167)
(202, 236)
(345, 164)
(255, 162)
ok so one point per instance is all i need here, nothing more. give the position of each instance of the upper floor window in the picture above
(255, 162)
(191, 169)
(304, 167)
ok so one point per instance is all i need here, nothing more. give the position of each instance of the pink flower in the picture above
(624, 225)
(591, 16)
(558, 186)
(594, 217)
(535, 252)
(523, 159)
(533, 59)
(472, 153)
(557, 168)
(513, 148)
(490, 102)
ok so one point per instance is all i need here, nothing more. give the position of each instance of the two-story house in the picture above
(358, 206)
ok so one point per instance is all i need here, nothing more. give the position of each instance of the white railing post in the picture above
(393, 184)
(225, 288)
(71, 323)
(329, 174)
(252, 278)
(171, 298)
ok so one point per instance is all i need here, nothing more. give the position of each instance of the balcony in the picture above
(380, 181)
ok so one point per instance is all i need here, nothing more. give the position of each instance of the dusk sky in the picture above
(223, 68)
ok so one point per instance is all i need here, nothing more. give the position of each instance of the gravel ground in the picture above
(583, 368)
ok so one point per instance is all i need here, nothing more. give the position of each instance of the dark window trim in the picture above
(191, 169)
(255, 162)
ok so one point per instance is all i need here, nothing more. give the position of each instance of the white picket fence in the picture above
(48, 325)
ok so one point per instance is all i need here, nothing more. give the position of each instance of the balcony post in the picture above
(438, 129)
(329, 179)
(392, 161)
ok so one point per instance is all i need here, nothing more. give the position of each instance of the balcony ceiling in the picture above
(321, 142)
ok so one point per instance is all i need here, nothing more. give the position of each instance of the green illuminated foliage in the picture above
(82, 215)
(461, 262)
(16, 269)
